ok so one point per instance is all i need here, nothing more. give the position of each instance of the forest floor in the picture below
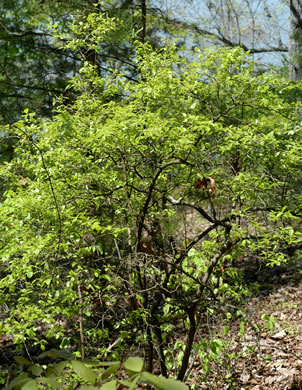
(265, 353)
(268, 355)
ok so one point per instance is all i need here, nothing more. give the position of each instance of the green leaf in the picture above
(162, 383)
(134, 364)
(51, 382)
(65, 342)
(109, 385)
(30, 385)
(133, 384)
(242, 327)
(21, 378)
(56, 369)
(92, 363)
(125, 383)
(83, 371)
(35, 369)
(109, 371)
(96, 226)
(56, 353)
(107, 364)
(22, 360)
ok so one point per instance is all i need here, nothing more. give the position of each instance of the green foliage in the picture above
(270, 320)
(29, 54)
(104, 232)
(39, 58)
(91, 374)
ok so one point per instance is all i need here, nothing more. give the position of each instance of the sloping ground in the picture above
(266, 352)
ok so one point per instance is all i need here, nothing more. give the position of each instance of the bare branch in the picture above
(221, 38)
(201, 211)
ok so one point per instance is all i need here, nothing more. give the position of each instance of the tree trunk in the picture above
(144, 17)
(295, 42)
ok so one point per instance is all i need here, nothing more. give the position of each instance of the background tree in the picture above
(260, 27)
(35, 65)
(36, 68)
(33, 68)
(295, 52)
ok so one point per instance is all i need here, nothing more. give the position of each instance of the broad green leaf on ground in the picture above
(109, 371)
(109, 385)
(162, 383)
(83, 371)
(134, 364)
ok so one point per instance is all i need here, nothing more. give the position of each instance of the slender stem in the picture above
(162, 359)
(189, 345)
(82, 342)
(150, 349)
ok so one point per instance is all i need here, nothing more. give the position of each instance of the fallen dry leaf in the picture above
(280, 335)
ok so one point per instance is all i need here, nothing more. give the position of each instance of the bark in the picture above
(189, 346)
(162, 358)
(150, 350)
(144, 18)
(295, 46)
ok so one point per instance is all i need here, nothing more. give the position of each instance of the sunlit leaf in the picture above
(30, 385)
(162, 383)
(134, 364)
(109, 385)
(51, 382)
(110, 371)
(83, 371)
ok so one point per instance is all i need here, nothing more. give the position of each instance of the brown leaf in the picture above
(245, 377)
(270, 379)
(206, 183)
(280, 335)
(145, 248)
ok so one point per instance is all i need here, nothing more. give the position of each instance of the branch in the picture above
(143, 213)
(22, 33)
(37, 88)
(201, 211)
(221, 38)
(189, 343)
(223, 250)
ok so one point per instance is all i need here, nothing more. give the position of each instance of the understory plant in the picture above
(86, 374)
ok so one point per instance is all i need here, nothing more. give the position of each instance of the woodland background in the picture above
(150, 185)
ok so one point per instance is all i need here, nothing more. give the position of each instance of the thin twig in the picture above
(81, 321)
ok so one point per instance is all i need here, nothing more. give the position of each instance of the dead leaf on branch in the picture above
(206, 183)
